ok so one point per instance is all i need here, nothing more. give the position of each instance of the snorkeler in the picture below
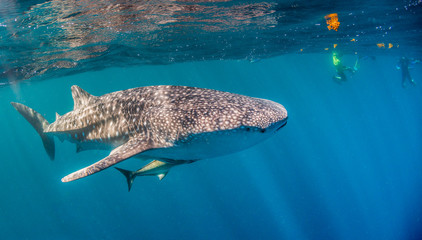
(340, 68)
(404, 64)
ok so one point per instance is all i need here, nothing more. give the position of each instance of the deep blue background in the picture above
(346, 166)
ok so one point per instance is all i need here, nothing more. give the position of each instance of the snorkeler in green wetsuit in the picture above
(341, 69)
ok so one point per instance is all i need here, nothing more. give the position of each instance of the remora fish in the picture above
(171, 124)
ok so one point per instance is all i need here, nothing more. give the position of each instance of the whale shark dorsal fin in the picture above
(80, 96)
(57, 116)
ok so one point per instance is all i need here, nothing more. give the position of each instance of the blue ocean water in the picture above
(346, 166)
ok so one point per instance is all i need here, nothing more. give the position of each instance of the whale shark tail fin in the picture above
(130, 176)
(40, 124)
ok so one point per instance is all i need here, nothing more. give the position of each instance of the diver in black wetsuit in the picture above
(404, 64)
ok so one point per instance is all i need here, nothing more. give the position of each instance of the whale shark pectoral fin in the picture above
(132, 147)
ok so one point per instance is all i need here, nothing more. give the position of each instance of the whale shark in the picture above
(169, 125)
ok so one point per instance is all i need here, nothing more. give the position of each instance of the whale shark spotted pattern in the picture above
(170, 125)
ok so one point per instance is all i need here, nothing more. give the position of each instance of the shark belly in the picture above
(208, 145)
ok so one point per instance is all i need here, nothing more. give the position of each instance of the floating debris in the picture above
(332, 21)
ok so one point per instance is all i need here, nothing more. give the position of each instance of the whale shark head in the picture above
(235, 128)
(263, 121)
(267, 117)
